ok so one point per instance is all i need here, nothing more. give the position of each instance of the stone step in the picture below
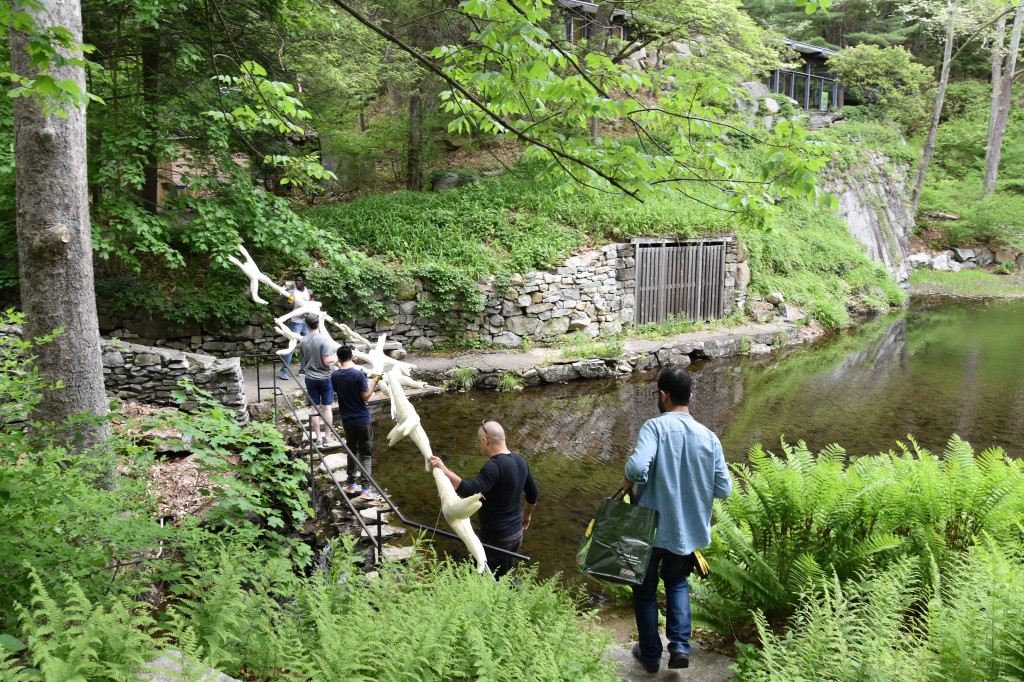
(386, 532)
(398, 553)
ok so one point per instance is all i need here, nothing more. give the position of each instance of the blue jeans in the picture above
(674, 570)
(299, 327)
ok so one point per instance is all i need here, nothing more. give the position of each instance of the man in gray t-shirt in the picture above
(319, 354)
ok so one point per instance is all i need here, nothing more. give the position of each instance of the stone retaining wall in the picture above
(149, 374)
(639, 356)
(591, 293)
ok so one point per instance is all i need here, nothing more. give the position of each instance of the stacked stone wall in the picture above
(149, 374)
(591, 293)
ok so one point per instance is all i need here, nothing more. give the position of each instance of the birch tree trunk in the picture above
(940, 97)
(1001, 105)
(55, 240)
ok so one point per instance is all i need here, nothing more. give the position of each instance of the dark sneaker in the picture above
(677, 659)
(302, 372)
(643, 664)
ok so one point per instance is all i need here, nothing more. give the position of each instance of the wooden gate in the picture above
(679, 277)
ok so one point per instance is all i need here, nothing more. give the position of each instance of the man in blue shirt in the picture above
(678, 468)
(353, 391)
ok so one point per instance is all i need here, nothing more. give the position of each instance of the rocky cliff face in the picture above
(874, 200)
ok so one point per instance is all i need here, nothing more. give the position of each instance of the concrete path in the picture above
(517, 361)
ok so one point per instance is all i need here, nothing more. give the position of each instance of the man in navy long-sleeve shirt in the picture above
(679, 469)
(503, 480)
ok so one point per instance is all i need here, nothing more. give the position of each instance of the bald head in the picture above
(492, 437)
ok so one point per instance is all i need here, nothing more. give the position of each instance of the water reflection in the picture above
(937, 370)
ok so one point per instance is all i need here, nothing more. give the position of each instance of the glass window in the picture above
(815, 98)
(579, 29)
(800, 89)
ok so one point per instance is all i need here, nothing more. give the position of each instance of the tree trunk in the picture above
(150, 82)
(599, 33)
(54, 239)
(940, 97)
(414, 148)
(1001, 111)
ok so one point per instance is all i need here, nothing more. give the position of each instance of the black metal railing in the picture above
(315, 453)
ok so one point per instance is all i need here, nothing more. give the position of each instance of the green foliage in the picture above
(860, 134)
(508, 382)
(250, 466)
(673, 325)
(450, 293)
(888, 80)
(993, 219)
(798, 519)
(462, 378)
(264, 104)
(846, 631)
(1006, 268)
(815, 263)
(551, 97)
(20, 384)
(581, 346)
(74, 638)
(885, 626)
(976, 628)
(353, 285)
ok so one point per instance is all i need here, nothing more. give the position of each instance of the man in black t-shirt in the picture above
(353, 391)
(503, 480)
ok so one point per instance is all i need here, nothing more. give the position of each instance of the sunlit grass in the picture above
(580, 346)
(968, 283)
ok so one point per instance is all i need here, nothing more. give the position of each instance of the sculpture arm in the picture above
(456, 480)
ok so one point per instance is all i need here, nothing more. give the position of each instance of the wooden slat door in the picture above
(675, 278)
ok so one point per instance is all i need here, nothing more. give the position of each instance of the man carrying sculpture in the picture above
(318, 353)
(299, 296)
(503, 480)
(678, 469)
(354, 390)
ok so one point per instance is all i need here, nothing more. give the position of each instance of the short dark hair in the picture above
(678, 383)
(344, 353)
(300, 274)
(312, 320)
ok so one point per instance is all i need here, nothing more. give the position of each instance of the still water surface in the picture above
(940, 368)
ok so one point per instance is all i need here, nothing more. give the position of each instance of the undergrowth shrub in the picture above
(887, 625)
(845, 630)
(796, 520)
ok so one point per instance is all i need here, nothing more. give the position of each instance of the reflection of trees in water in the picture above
(933, 372)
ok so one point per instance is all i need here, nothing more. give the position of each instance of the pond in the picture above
(942, 367)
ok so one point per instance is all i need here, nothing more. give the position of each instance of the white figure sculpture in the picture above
(395, 374)
(456, 510)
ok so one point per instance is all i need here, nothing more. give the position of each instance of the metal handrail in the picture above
(314, 451)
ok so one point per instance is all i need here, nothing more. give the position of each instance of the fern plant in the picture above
(798, 518)
(977, 620)
(72, 638)
(852, 630)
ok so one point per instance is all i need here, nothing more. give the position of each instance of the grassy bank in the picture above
(971, 283)
(511, 224)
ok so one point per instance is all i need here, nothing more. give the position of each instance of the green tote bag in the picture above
(617, 544)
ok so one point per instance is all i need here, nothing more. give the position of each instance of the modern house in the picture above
(811, 84)
(579, 21)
